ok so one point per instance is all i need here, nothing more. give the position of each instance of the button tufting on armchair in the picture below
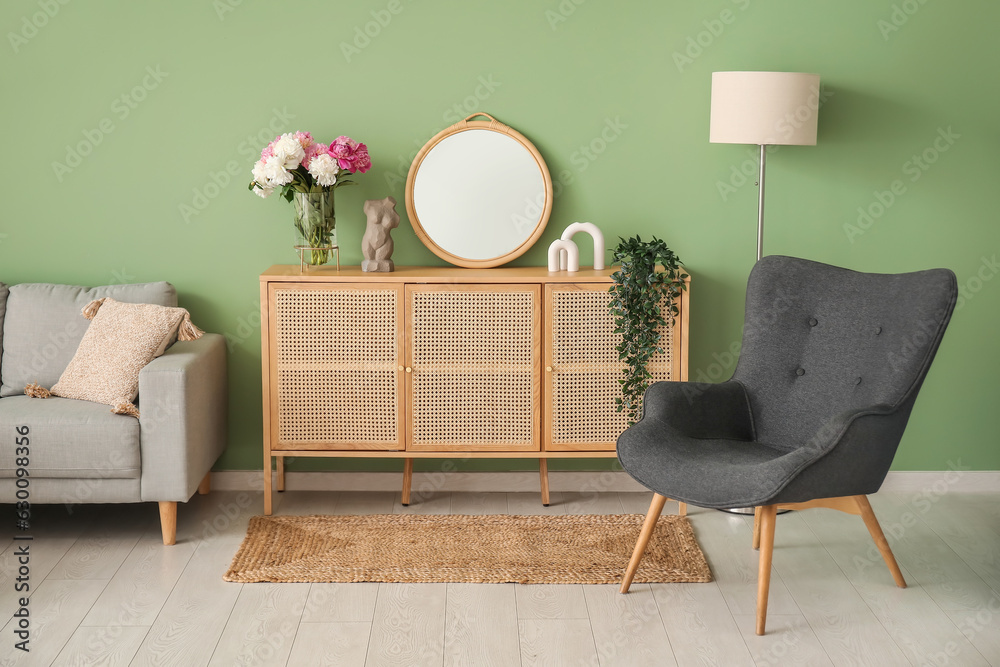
(831, 364)
(79, 452)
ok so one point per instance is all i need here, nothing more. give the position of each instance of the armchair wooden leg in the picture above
(407, 481)
(168, 522)
(767, 517)
(648, 525)
(883, 545)
(280, 464)
(206, 484)
(756, 528)
(682, 509)
(543, 476)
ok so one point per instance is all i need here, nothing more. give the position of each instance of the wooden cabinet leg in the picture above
(543, 478)
(648, 525)
(756, 528)
(280, 464)
(168, 522)
(883, 545)
(267, 485)
(767, 516)
(407, 481)
(206, 484)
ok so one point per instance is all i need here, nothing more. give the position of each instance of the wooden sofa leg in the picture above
(767, 517)
(168, 522)
(206, 484)
(648, 525)
(883, 545)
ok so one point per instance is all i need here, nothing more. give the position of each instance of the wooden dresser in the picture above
(441, 362)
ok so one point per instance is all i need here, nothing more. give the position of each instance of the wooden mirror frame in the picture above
(492, 125)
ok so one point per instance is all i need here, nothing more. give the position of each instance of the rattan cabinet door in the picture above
(474, 362)
(336, 374)
(583, 371)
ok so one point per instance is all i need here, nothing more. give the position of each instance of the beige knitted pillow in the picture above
(120, 341)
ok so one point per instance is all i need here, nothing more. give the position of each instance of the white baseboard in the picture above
(252, 480)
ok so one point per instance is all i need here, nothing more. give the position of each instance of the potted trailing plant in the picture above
(650, 277)
(308, 172)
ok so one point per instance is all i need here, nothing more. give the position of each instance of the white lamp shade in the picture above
(769, 108)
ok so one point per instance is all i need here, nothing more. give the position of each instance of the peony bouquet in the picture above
(308, 172)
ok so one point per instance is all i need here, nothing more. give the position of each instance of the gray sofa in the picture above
(80, 452)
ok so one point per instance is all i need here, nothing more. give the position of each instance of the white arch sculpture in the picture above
(598, 236)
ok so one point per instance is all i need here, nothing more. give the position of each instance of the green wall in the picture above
(162, 98)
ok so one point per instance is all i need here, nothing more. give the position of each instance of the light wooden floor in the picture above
(106, 592)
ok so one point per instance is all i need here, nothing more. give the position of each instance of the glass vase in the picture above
(315, 227)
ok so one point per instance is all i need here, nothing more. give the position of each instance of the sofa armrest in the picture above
(182, 428)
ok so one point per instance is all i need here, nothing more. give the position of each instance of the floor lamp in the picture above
(766, 109)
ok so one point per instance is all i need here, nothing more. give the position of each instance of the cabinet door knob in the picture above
(408, 369)
(400, 368)
(548, 369)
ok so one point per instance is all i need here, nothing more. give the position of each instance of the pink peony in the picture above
(305, 138)
(351, 155)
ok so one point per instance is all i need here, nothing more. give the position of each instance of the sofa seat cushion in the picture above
(43, 326)
(69, 439)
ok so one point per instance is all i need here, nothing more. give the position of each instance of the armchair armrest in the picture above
(700, 409)
(182, 427)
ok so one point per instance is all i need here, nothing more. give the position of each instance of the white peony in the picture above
(289, 150)
(263, 193)
(258, 173)
(274, 171)
(324, 169)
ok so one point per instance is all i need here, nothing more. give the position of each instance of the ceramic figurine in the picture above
(376, 245)
(564, 256)
(589, 228)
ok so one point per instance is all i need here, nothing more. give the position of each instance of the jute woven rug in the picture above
(406, 548)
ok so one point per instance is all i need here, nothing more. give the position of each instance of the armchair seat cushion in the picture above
(707, 472)
(70, 439)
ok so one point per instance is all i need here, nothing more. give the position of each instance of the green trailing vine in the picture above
(650, 275)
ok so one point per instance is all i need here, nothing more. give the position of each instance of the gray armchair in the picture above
(830, 367)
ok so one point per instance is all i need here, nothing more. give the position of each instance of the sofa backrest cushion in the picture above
(43, 327)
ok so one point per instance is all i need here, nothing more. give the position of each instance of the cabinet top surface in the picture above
(425, 274)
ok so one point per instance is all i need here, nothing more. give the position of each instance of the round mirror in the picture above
(478, 194)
